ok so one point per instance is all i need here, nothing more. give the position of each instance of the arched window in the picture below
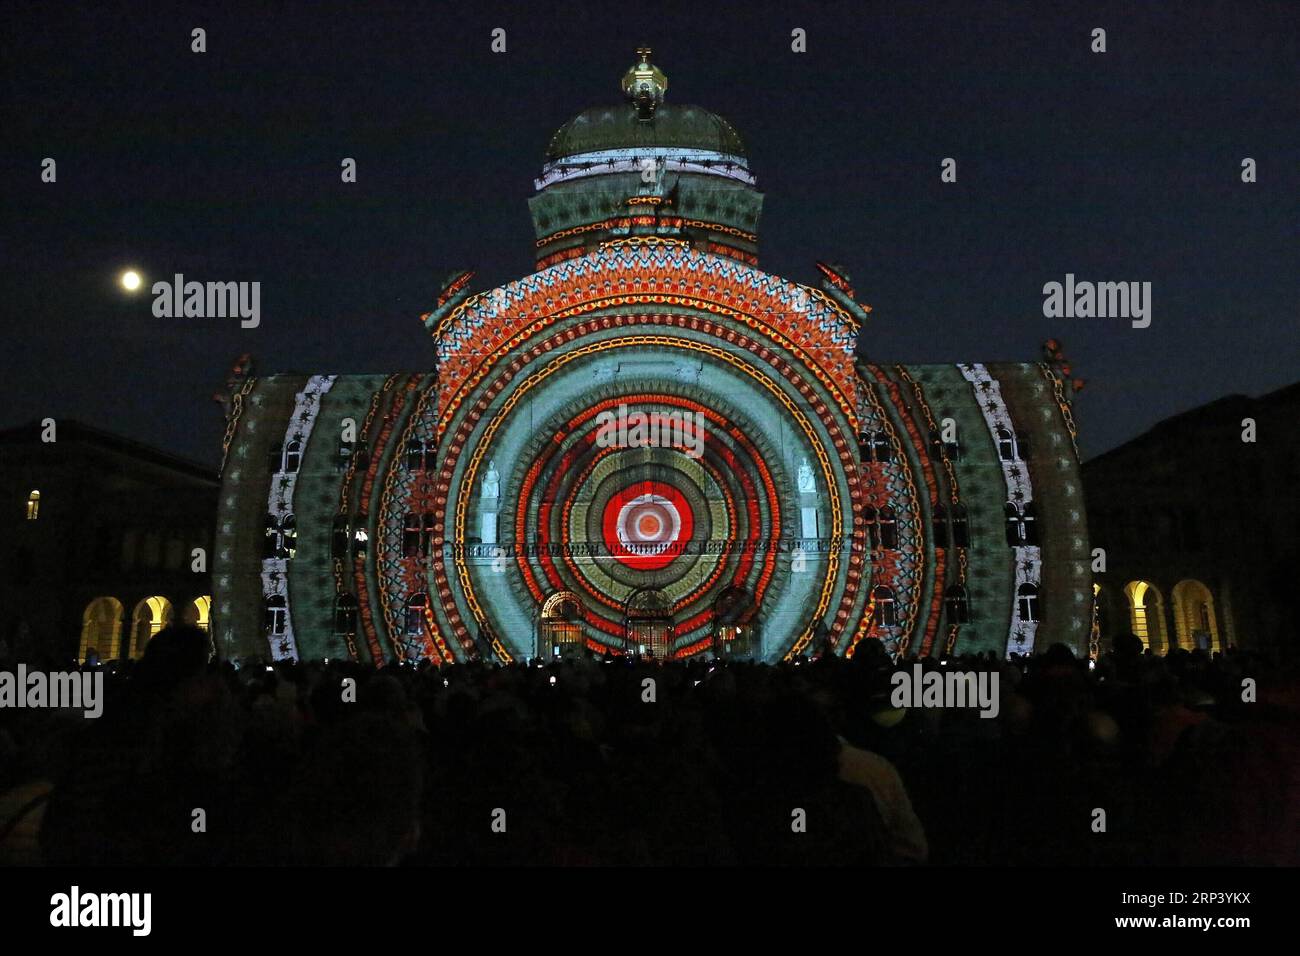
(561, 625)
(734, 618)
(151, 616)
(888, 528)
(281, 541)
(292, 456)
(885, 612)
(1022, 446)
(940, 517)
(361, 536)
(289, 535)
(1029, 522)
(198, 612)
(876, 446)
(1194, 618)
(1016, 531)
(415, 607)
(956, 605)
(1027, 602)
(960, 526)
(101, 629)
(882, 527)
(1006, 445)
(939, 449)
(339, 538)
(277, 615)
(345, 614)
(411, 535)
(415, 454)
(33, 505)
(426, 534)
(346, 451)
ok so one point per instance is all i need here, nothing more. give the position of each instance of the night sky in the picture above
(225, 166)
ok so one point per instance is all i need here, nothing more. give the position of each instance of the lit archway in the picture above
(1146, 609)
(559, 631)
(734, 617)
(101, 629)
(649, 622)
(1194, 618)
(151, 616)
(197, 612)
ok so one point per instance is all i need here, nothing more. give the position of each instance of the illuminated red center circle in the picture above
(647, 524)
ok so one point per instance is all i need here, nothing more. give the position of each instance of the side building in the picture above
(100, 533)
(1198, 518)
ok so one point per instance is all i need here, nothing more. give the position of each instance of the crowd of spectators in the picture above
(1190, 758)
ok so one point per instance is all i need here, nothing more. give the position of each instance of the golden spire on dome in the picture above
(645, 84)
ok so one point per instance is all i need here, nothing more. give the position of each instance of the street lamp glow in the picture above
(130, 280)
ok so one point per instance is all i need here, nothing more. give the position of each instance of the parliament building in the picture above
(650, 446)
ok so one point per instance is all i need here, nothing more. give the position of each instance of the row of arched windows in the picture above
(1021, 526)
(286, 459)
(101, 624)
(345, 614)
(955, 602)
(875, 446)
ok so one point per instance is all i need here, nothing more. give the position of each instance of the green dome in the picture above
(620, 127)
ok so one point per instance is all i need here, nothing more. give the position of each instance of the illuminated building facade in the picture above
(651, 446)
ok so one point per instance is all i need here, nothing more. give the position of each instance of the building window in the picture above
(1027, 602)
(101, 630)
(960, 526)
(345, 614)
(339, 538)
(1022, 526)
(277, 615)
(415, 608)
(940, 449)
(885, 611)
(346, 450)
(292, 456)
(360, 536)
(411, 535)
(888, 529)
(956, 605)
(33, 505)
(951, 519)
(198, 612)
(415, 454)
(281, 537)
(882, 528)
(876, 446)
(1006, 445)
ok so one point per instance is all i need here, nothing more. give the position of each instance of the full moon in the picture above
(130, 280)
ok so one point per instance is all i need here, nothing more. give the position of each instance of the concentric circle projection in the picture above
(647, 525)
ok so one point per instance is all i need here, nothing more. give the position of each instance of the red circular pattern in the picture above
(646, 524)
